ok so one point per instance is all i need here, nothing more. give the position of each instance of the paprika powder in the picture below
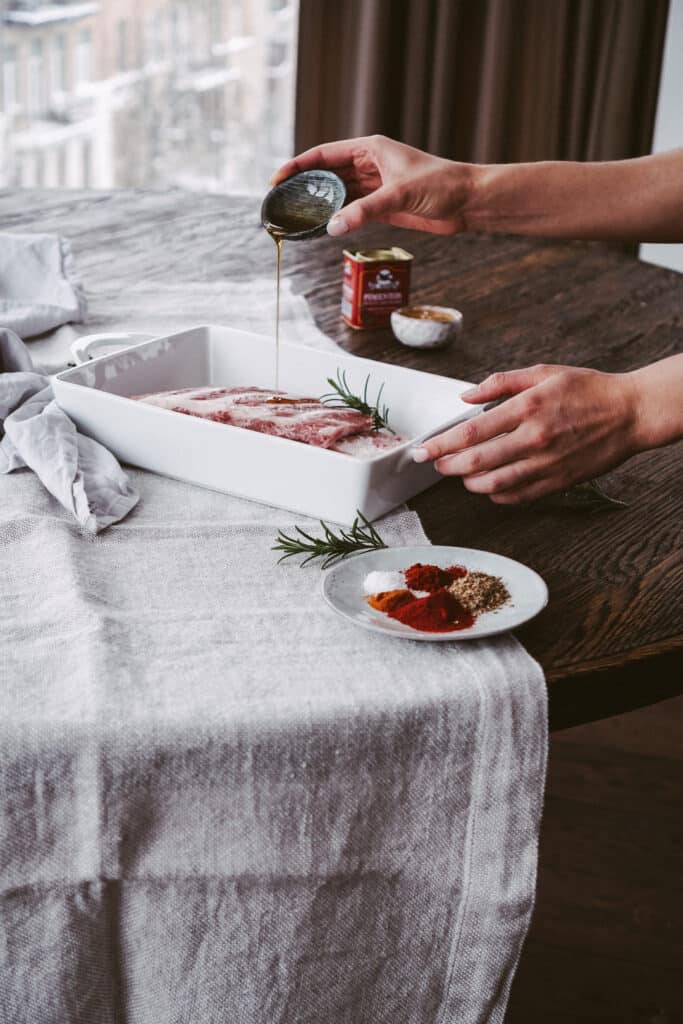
(431, 578)
(439, 612)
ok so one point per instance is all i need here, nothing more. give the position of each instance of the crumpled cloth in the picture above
(39, 287)
(35, 433)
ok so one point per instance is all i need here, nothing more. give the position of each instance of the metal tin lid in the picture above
(394, 253)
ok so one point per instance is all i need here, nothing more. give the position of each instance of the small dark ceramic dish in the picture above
(301, 206)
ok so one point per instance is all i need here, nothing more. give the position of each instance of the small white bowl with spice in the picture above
(426, 326)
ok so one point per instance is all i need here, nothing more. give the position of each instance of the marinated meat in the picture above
(299, 419)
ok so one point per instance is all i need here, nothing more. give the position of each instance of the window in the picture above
(209, 107)
(27, 171)
(35, 78)
(215, 23)
(237, 18)
(84, 56)
(58, 70)
(9, 78)
(121, 34)
(61, 166)
(182, 35)
(87, 163)
(277, 53)
(159, 34)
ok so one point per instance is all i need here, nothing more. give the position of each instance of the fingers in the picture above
(511, 382)
(483, 457)
(342, 223)
(378, 205)
(332, 156)
(527, 492)
(515, 476)
(472, 432)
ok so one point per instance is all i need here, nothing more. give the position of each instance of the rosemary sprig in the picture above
(588, 496)
(361, 536)
(341, 394)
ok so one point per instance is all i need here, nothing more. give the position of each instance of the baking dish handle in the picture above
(82, 349)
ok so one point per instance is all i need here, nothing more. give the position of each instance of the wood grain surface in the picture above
(611, 637)
(605, 944)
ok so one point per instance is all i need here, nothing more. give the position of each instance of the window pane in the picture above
(35, 78)
(84, 56)
(122, 53)
(59, 64)
(9, 78)
(206, 102)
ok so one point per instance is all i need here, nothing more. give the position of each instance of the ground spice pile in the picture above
(388, 600)
(436, 613)
(478, 592)
(431, 578)
(454, 597)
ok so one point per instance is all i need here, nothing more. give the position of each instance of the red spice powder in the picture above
(437, 613)
(426, 577)
(456, 572)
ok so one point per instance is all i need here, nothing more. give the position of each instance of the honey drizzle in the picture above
(278, 232)
(278, 243)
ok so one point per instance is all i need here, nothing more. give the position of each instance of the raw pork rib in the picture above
(299, 419)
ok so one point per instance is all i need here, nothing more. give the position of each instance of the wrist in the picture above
(656, 421)
(476, 209)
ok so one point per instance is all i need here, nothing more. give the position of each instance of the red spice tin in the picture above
(376, 282)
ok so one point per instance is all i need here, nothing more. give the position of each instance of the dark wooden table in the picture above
(611, 637)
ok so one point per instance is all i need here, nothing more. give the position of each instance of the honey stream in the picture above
(278, 243)
(293, 222)
(277, 234)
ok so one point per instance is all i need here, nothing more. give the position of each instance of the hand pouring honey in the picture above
(295, 210)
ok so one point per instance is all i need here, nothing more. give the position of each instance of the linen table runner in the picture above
(223, 803)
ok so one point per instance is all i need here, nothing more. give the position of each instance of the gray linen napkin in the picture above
(84, 477)
(39, 289)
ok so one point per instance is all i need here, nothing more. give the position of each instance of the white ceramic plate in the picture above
(342, 588)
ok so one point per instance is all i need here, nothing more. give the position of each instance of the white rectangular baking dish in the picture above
(325, 484)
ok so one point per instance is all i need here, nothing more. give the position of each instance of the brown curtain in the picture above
(483, 80)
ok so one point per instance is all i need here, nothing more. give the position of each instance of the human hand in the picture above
(559, 425)
(390, 182)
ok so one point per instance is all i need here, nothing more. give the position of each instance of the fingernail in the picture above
(337, 226)
(420, 454)
(470, 393)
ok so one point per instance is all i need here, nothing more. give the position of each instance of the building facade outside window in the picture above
(153, 93)
(58, 71)
(84, 56)
(122, 41)
(35, 78)
(10, 88)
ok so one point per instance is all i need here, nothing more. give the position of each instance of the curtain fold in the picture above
(488, 81)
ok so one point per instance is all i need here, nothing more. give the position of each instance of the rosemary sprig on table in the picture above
(588, 496)
(341, 394)
(361, 536)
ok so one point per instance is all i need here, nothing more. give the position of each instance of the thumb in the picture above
(378, 205)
